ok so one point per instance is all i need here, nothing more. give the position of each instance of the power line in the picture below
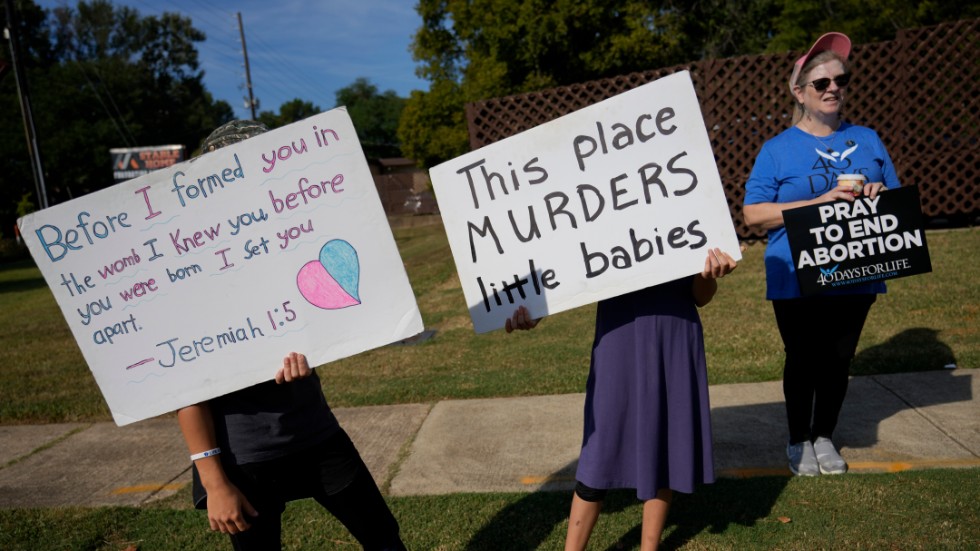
(121, 126)
(9, 32)
(270, 71)
(275, 76)
(283, 62)
(269, 78)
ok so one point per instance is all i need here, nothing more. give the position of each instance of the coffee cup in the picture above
(853, 183)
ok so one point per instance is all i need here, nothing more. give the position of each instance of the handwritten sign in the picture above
(615, 197)
(195, 280)
(844, 243)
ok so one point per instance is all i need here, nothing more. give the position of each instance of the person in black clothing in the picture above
(257, 448)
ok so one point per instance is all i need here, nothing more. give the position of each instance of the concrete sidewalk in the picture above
(889, 423)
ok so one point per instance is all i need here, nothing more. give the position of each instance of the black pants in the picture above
(334, 475)
(820, 335)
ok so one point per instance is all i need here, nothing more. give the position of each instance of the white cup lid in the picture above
(861, 177)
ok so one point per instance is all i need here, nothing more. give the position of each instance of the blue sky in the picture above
(305, 49)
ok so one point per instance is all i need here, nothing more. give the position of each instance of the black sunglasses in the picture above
(821, 84)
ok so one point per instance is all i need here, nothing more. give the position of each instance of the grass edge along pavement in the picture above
(924, 322)
(933, 509)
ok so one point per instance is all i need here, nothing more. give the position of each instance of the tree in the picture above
(725, 28)
(477, 49)
(471, 50)
(35, 51)
(101, 77)
(800, 22)
(289, 112)
(375, 117)
(432, 128)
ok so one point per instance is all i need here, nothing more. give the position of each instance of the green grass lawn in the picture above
(910, 510)
(923, 323)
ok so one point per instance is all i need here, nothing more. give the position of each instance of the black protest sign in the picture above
(849, 243)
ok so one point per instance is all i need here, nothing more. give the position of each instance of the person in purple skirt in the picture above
(647, 418)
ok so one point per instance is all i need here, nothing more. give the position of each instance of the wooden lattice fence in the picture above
(918, 91)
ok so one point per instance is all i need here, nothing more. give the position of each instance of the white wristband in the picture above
(208, 453)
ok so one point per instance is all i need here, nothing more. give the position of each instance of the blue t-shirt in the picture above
(797, 166)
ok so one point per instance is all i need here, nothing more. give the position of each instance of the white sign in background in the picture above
(195, 280)
(615, 197)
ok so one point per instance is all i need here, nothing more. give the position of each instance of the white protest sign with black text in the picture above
(195, 280)
(615, 197)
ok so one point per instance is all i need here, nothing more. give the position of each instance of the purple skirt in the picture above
(647, 417)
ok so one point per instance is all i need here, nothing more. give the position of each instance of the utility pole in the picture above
(248, 77)
(9, 32)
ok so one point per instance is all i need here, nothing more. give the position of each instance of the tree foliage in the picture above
(477, 49)
(289, 112)
(433, 127)
(800, 22)
(375, 116)
(99, 76)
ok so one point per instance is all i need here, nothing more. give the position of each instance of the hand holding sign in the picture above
(718, 264)
(521, 321)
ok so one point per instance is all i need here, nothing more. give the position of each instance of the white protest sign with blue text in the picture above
(615, 197)
(195, 280)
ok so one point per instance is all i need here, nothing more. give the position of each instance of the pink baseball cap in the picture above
(836, 42)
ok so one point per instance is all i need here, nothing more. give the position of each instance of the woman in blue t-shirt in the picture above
(799, 167)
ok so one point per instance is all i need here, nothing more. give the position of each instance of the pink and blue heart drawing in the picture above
(331, 282)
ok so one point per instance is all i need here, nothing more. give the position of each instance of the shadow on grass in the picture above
(530, 522)
(524, 524)
(714, 508)
(916, 349)
(15, 283)
(22, 285)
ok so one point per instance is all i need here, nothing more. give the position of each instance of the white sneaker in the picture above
(802, 459)
(827, 457)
